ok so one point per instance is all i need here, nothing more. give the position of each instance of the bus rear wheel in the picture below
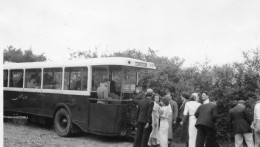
(62, 123)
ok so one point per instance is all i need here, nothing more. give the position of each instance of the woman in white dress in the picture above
(190, 109)
(165, 114)
(154, 136)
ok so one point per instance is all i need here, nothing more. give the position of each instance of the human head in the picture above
(165, 101)
(149, 92)
(138, 89)
(241, 103)
(185, 95)
(105, 83)
(156, 98)
(204, 96)
(194, 97)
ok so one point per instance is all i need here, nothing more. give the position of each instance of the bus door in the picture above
(104, 118)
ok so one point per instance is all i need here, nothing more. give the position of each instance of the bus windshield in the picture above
(122, 79)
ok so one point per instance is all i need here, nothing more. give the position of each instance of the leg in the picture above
(257, 139)
(238, 140)
(139, 133)
(192, 132)
(210, 135)
(249, 139)
(201, 136)
(145, 136)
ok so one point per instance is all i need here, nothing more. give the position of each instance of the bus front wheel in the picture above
(62, 123)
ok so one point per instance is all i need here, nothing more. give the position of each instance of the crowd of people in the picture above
(158, 117)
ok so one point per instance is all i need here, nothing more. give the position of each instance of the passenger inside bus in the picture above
(77, 85)
(112, 85)
(102, 92)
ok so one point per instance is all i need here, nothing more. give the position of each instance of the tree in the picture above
(13, 54)
(83, 54)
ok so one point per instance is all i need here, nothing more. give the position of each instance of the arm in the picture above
(197, 113)
(149, 113)
(248, 117)
(137, 113)
(175, 112)
(215, 113)
(185, 113)
(254, 119)
(106, 94)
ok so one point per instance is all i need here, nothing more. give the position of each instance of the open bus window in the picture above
(5, 78)
(52, 78)
(99, 74)
(16, 78)
(33, 78)
(76, 78)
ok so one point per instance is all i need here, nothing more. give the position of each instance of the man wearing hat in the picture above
(239, 122)
(144, 120)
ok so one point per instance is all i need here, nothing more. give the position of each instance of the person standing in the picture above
(240, 124)
(185, 125)
(190, 109)
(165, 114)
(173, 118)
(154, 136)
(144, 120)
(206, 115)
(256, 123)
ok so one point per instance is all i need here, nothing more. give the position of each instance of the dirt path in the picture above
(24, 135)
(18, 133)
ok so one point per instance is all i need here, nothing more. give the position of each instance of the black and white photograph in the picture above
(130, 73)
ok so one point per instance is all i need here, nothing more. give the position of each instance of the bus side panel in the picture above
(105, 118)
(13, 101)
(79, 107)
(45, 104)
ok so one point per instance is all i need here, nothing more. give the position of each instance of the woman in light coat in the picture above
(165, 113)
(189, 110)
(154, 136)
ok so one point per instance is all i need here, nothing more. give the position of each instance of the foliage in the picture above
(83, 54)
(13, 54)
(225, 83)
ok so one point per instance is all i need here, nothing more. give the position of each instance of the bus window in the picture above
(76, 78)
(52, 78)
(33, 78)
(99, 74)
(5, 78)
(117, 77)
(16, 78)
(129, 80)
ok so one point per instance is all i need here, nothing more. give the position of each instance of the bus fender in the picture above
(61, 105)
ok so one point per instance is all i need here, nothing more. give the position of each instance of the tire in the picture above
(62, 123)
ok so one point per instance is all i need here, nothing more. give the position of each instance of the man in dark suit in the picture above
(206, 116)
(239, 122)
(144, 120)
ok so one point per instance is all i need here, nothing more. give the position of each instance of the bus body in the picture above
(66, 93)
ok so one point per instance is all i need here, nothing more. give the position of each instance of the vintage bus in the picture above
(65, 93)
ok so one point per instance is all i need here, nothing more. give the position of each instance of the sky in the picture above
(216, 30)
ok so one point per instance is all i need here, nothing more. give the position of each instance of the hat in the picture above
(241, 102)
(149, 91)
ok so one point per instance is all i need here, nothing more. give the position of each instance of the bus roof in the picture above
(83, 62)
